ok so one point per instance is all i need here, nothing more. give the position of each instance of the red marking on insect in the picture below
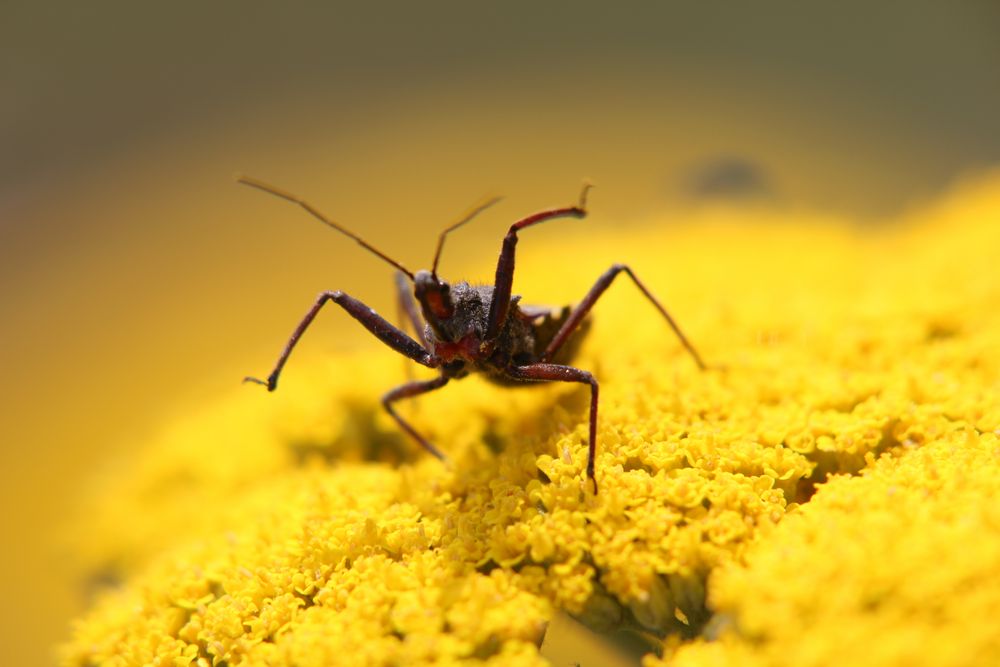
(468, 348)
(463, 329)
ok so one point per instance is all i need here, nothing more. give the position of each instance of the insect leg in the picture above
(558, 373)
(371, 320)
(407, 307)
(505, 265)
(409, 390)
(406, 312)
(582, 308)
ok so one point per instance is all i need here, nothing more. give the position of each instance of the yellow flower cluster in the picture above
(897, 567)
(303, 528)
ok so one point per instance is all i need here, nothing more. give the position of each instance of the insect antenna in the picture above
(470, 214)
(277, 192)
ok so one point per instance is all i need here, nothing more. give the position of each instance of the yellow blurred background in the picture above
(136, 279)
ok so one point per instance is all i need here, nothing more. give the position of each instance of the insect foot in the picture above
(271, 383)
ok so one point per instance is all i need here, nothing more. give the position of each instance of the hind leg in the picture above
(582, 308)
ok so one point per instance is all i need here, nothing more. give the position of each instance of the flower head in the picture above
(302, 528)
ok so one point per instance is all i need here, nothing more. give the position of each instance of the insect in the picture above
(463, 328)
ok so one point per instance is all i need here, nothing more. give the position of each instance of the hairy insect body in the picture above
(460, 341)
(467, 328)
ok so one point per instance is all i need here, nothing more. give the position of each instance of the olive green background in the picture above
(136, 280)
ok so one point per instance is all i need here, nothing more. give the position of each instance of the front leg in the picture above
(371, 320)
(557, 373)
(406, 308)
(505, 266)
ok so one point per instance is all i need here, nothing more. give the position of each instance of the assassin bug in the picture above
(463, 328)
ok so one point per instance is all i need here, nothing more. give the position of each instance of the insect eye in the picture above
(434, 294)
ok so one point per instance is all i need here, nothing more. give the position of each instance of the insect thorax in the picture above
(515, 344)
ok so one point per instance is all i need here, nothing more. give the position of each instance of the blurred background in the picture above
(137, 280)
